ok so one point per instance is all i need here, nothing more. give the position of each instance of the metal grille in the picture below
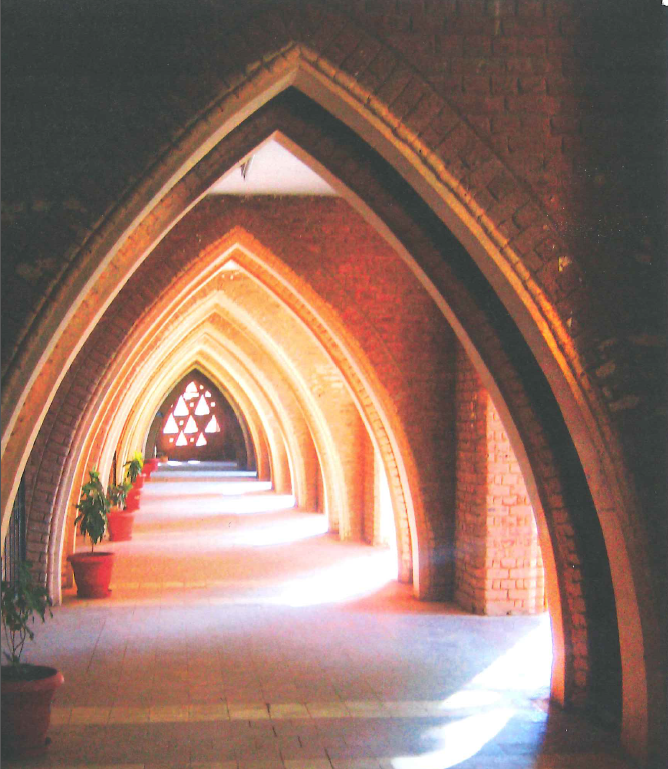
(15, 542)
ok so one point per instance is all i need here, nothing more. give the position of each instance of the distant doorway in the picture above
(198, 423)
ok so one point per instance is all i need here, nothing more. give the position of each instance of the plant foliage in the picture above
(117, 493)
(134, 467)
(93, 508)
(22, 601)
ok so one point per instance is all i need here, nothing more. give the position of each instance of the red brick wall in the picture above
(388, 312)
(471, 488)
(498, 567)
(382, 305)
(560, 140)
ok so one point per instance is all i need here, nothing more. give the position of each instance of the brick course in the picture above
(498, 566)
(601, 198)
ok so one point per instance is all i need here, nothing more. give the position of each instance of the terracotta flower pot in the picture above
(92, 573)
(120, 524)
(139, 482)
(132, 501)
(149, 466)
(26, 710)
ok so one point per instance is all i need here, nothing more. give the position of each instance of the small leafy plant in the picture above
(116, 493)
(22, 601)
(93, 508)
(134, 467)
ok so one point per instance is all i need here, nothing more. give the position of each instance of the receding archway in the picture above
(539, 339)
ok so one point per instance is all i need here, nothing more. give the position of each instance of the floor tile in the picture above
(176, 668)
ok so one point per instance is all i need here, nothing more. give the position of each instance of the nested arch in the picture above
(374, 404)
(532, 311)
(198, 337)
(203, 351)
(204, 275)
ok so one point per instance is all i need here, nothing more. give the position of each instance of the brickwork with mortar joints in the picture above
(499, 566)
(525, 111)
(420, 239)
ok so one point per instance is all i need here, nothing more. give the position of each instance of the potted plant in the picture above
(134, 477)
(119, 519)
(133, 472)
(92, 571)
(27, 690)
(149, 466)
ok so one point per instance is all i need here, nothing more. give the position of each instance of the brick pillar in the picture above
(498, 564)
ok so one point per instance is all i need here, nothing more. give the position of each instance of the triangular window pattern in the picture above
(181, 440)
(190, 391)
(181, 409)
(170, 427)
(194, 425)
(202, 408)
(213, 426)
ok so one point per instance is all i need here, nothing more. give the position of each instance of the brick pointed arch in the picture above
(437, 169)
(281, 282)
(347, 355)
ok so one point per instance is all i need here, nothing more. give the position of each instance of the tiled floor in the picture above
(241, 636)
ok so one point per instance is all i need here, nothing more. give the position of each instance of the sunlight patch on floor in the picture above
(526, 666)
(460, 740)
(230, 488)
(350, 579)
(282, 533)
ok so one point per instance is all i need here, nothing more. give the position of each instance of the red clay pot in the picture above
(139, 482)
(132, 501)
(26, 710)
(149, 466)
(120, 524)
(92, 573)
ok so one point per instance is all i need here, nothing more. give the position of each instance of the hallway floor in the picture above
(240, 635)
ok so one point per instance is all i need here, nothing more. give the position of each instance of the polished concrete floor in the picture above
(240, 635)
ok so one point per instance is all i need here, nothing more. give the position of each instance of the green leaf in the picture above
(22, 601)
(93, 508)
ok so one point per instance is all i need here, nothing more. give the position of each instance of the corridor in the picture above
(240, 635)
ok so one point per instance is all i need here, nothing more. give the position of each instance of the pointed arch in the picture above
(167, 191)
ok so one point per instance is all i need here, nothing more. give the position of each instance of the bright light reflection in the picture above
(460, 740)
(229, 488)
(283, 533)
(343, 582)
(210, 505)
(466, 698)
(193, 462)
(268, 504)
(526, 666)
